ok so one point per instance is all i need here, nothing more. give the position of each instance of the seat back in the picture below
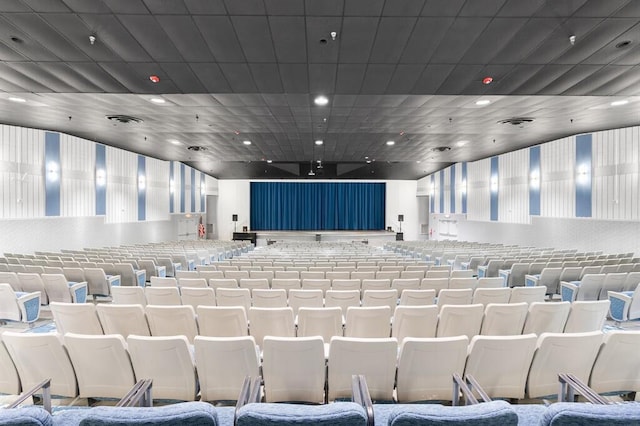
(217, 283)
(254, 283)
(527, 294)
(504, 319)
(31, 282)
(490, 282)
(80, 318)
(368, 322)
(375, 284)
(11, 278)
(417, 297)
(269, 298)
(402, 284)
(172, 321)
(316, 284)
(123, 319)
(485, 296)
(612, 282)
(590, 287)
(286, 284)
(193, 282)
(9, 379)
(546, 317)
(454, 297)
(197, 296)
(342, 298)
(587, 316)
(344, 285)
(324, 322)
(233, 297)
(617, 357)
(167, 296)
(222, 321)
(97, 283)
(414, 321)
(459, 320)
(381, 298)
(128, 295)
(271, 322)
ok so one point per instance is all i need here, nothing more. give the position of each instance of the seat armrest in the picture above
(138, 396)
(473, 385)
(113, 280)
(570, 385)
(619, 305)
(45, 385)
(29, 305)
(460, 385)
(360, 395)
(78, 292)
(568, 291)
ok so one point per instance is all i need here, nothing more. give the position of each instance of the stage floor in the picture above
(375, 238)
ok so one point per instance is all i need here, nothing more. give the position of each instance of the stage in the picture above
(374, 238)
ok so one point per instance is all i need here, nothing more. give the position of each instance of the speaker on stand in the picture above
(400, 235)
(234, 218)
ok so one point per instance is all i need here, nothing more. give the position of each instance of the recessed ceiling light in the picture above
(14, 99)
(175, 142)
(269, 161)
(483, 102)
(461, 143)
(321, 100)
(368, 161)
(246, 142)
(391, 143)
(157, 100)
(618, 103)
(319, 142)
(153, 78)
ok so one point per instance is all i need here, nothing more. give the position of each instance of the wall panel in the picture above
(446, 184)
(514, 187)
(478, 190)
(557, 180)
(77, 160)
(122, 186)
(157, 189)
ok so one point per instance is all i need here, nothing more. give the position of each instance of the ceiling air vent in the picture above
(441, 149)
(124, 119)
(517, 121)
(196, 148)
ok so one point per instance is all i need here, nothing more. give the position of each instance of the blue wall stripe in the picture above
(452, 197)
(202, 193)
(183, 185)
(142, 189)
(583, 175)
(172, 188)
(101, 182)
(441, 179)
(534, 180)
(193, 190)
(52, 174)
(494, 176)
(465, 187)
(432, 195)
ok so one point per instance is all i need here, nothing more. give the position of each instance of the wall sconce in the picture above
(534, 180)
(101, 177)
(432, 191)
(53, 171)
(203, 189)
(494, 183)
(142, 183)
(172, 186)
(464, 186)
(582, 174)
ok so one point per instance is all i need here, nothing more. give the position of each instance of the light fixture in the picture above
(494, 183)
(432, 190)
(172, 186)
(157, 100)
(246, 142)
(582, 174)
(142, 182)
(487, 80)
(319, 142)
(534, 180)
(15, 99)
(203, 189)
(461, 143)
(482, 102)
(391, 143)
(53, 171)
(620, 102)
(154, 79)
(101, 177)
(321, 100)
(92, 39)
(175, 142)
(269, 161)
(463, 185)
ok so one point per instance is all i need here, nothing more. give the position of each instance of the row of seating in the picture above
(597, 286)
(298, 369)
(362, 322)
(52, 287)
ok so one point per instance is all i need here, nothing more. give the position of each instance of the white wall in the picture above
(233, 198)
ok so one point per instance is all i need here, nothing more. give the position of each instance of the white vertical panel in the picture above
(77, 185)
(557, 180)
(176, 185)
(513, 194)
(157, 189)
(459, 188)
(478, 190)
(122, 186)
(21, 172)
(212, 185)
(447, 190)
(436, 192)
(187, 189)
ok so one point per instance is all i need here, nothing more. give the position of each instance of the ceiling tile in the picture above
(288, 34)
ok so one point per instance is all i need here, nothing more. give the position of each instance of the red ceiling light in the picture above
(487, 80)
(154, 79)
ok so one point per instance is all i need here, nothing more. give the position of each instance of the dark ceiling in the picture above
(410, 71)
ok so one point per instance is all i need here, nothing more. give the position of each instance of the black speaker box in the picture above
(400, 218)
(234, 218)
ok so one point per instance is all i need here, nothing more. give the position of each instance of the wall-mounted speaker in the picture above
(234, 218)
(400, 218)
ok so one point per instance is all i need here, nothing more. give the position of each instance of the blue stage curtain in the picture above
(302, 206)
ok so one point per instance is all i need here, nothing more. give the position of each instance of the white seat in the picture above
(254, 283)
(436, 284)
(128, 295)
(286, 284)
(345, 285)
(587, 316)
(381, 298)
(588, 288)
(167, 361)
(287, 274)
(123, 319)
(193, 282)
(197, 296)
(40, 356)
(381, 275)
(323, 322)
(402, 284)
(31, 283)
(237, 275)
(454, 297)
(514, 277)
(222, 321)
(414, 321)
(130, 276)
(312, 275)
(546, 317)
(98, 283)
(299, 298)
(528, 294)
(504, 319)
(616, 366)
(268, 275)
(373, 358)
(11, 278)
(501, 363)
(337, 275)
(368, 322)
(208, 275)
(223, 363)
(572, 353)
(374, 284)
(460, 320)
(269, 298)
(460, 273)
(342, 298)
(172, 321)
(490, 282)
(630, 284)
(425, 367)
(168, 296)
(549, 277)
(417, 297)
(60, 290)
(293, 369)
(18, 306)
(101, 363)
(462, 283)
(271, 322)
(80, 318)
(9, 379)
(613, 282)
(419, 274)
(316, 284)
(434, 273)
(233, 297)
(485, 296)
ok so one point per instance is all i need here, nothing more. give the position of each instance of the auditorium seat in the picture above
(193, 282)
(316, 284)
(323, 322)
(546, 317)
(207, 275)
(588, 288)
(462, 283)
(59, 289)
(408, 274)
(162, 296)
(414, 321)
(426, 366)
(485, 296)
(343, 299)
(380, 298)
(123, 319)
(375, 284)
(9, 379)
(233, 297)
(195, 296)
(613, 282)
(186, 274)
(151, 269)
(504, 319)
(177, 320)
(436, 284)
(402, 284)
(417, 297)
(454, 297)
(237, 275)
(128, 296)
(11, 278)
(268, 275)
(254, 283)
(277, 322)
(461, 273)
(30, 283)
(549, 277)
(586, 316)
(217, 283)
(527, 294)
(299, 298)
(269, 298)
(490, 282)
(334, 275)
(460, 320)
(287, 274)
(368, 322)
(222, 321)
(98, 283)
(80, 318)
(616, 367)
(346, 284)
(128, 275)
(381, 275)
(18, 306)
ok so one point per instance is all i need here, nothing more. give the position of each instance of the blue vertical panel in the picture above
(182, 187)
(464, 187)
(101, 179)
(441, 191)
(142, 188)
(193, 190)
(493, 182)
(432, 194)
(583, 175)
(452, 194)
(202, 192)
(52, 174)
(534, 180)
(172, 188)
